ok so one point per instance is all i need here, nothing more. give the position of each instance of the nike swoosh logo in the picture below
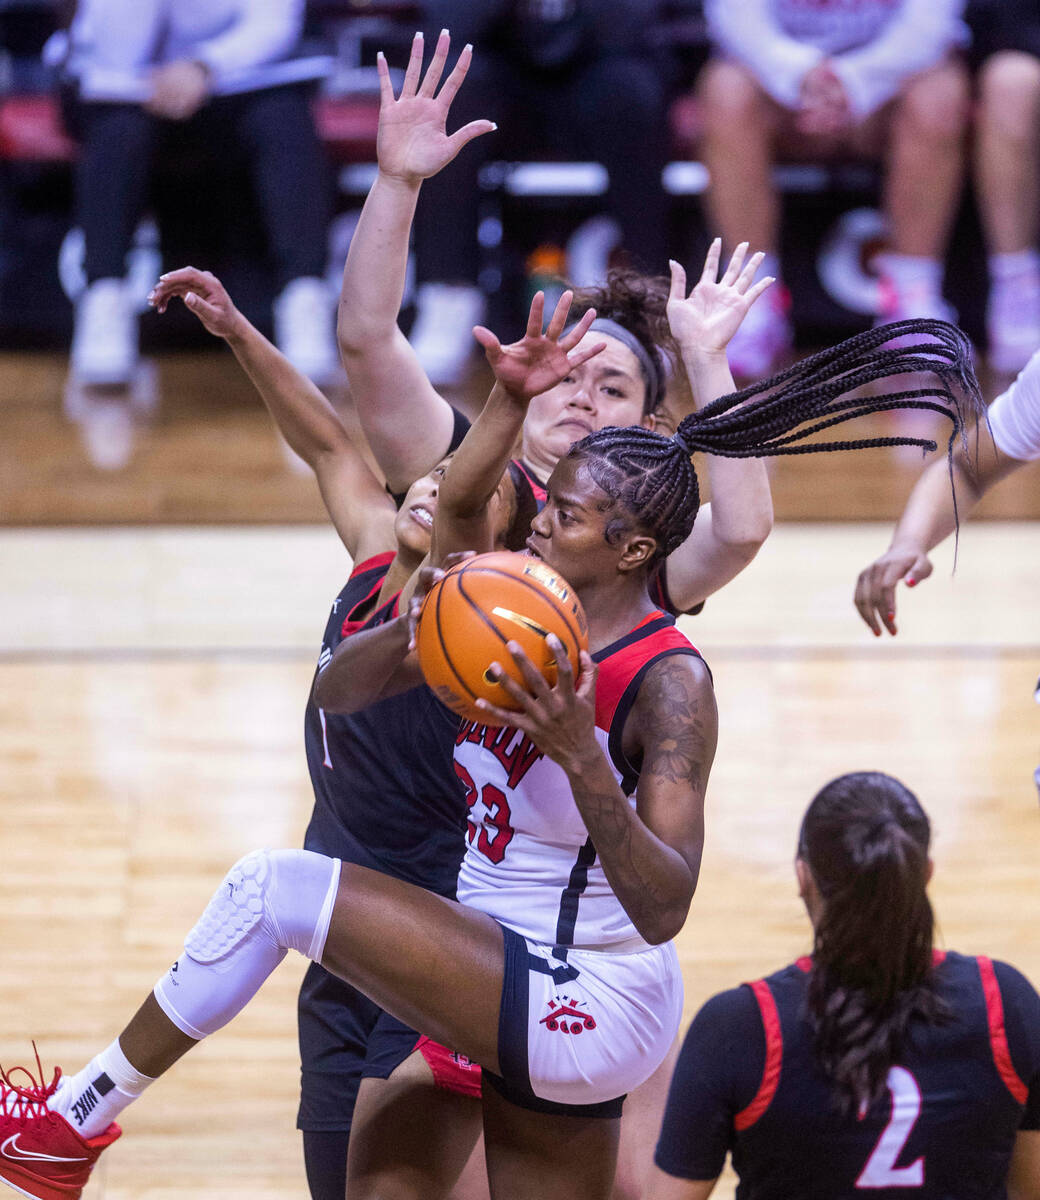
(10, 1150)
(518, 619)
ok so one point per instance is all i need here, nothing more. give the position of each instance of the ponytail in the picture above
(653, 478)
(865, 840)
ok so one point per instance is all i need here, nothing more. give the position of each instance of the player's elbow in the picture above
(660, 922)
(662, 925)
(357, 334)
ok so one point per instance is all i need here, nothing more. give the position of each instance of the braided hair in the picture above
(651, 477)
(865, 841)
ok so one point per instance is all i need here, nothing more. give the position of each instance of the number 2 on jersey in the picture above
(881, 1170)
(496, 810)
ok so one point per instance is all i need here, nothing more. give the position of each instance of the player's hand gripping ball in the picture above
(478, 606)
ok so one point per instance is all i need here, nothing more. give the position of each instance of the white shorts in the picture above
(583, 1032)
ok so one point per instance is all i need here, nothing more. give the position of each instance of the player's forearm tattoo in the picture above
(677, 749)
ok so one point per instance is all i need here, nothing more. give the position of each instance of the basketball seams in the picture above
(539, 590)
(454, 649)
(440, 638)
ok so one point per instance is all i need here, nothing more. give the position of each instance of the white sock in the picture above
(1003, 267)
(91, 1100)
(908, 270)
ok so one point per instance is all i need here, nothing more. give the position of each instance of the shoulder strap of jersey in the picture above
(622, 668)
(537, 487)
(774, 1057)
(998, 1032)
(369, 575)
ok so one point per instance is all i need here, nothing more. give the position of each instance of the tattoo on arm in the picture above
(678, 750)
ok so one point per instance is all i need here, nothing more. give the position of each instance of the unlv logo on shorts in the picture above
(566, 1016)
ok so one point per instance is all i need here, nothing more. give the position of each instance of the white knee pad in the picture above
(269, 902)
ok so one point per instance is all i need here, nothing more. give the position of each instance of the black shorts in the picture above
(344, 1037)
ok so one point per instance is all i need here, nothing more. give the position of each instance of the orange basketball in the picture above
(468, 616)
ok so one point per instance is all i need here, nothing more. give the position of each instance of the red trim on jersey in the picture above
(451, 1070)
(805, 962)
(774, 1056)
(997, 1031)
(537, 487)
(625, 663)
(378, 562)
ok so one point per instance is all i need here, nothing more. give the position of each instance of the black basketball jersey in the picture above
(747, 1082)
(385, 791)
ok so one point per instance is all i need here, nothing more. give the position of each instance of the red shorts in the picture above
(451, 1071)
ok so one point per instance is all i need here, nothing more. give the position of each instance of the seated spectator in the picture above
(219, 69)
(801, 79)
(1006, 39)
(570, 77)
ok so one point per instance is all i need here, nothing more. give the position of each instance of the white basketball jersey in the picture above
(530, 862)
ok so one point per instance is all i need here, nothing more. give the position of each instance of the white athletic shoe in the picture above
(1013, 321)
(104, 342)
(920, 299)
(304, 329)
(764, 337)
(442, 336)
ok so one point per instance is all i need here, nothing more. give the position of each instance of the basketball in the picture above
(468, 616)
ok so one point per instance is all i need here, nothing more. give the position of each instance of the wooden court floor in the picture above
(152, 683)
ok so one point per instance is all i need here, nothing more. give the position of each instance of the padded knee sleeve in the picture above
(268, 903)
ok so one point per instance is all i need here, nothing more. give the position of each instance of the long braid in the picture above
(653, 479)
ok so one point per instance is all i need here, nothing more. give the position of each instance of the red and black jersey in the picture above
(748, 1082)
(385, 792)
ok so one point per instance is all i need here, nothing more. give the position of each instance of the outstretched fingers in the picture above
(735, 265)
(753, 293)
(745, 278)
(535, 315)
(677, 291)
(428, 87)
(711, 261)
(458, 74)
(581, 328)
(558, 321)
(414, 70)
(489, 341)
(465, 135)
(386, 88)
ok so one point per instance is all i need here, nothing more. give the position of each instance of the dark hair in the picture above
(639, 304)
(652, 477)
(865, 840)
(525, 509)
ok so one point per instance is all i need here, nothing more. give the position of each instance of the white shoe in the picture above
(104, 342)
(303, 329)
(442, 336)
(1013, 321)
(763, 338)
(903, 302)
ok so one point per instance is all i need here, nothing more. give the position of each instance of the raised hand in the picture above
(876, 585)
(539, 360)
(710, 315)
(203, 293)
(412, 142)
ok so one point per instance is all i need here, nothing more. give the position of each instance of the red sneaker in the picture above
(41, 1155)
